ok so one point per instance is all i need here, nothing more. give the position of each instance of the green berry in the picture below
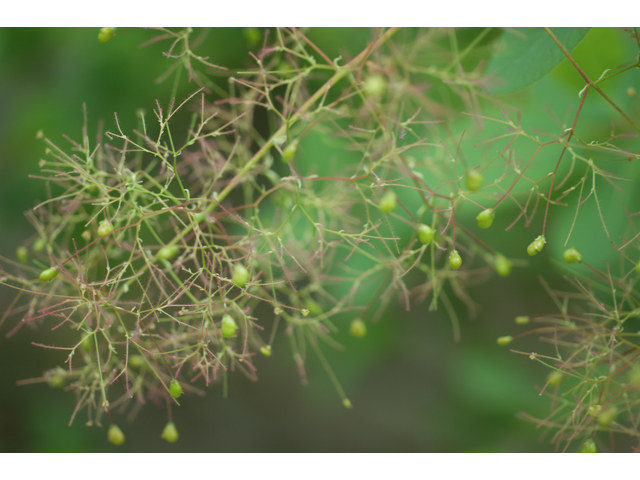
(175, 389)
(105, 228)
(388, 202)
(555, 378)
(503, 266)
(105, 34)
(571, 255)
(168, 252)
(289, 152)
(506, 340)
(39, 245)
(115, 435)
(425, 234)
(86, 235)
(455, 261)
(536, 246)
(48, 274)
(522, 319)
(170, 433)
(228, 326)
(607, 416)
(136, 361)
(485, 218)
(240, 275)
(56, 380)
(266, 350)
(375, 86)
(589, 447)
(358, 328)
(22, 254)
(474, 180)
(594, 410)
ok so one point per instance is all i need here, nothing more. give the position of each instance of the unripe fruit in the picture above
(358, 328)
(56, 380)
(589, 447)
(266, 350)
(536, 246)
(607, 416)
(175, 389)
(631, 92)
(240, 275)
(522, 320)
(425, 234)
(289, 152)
(388, 202)
(594, 410)
(105, 34)
(485, 218)
(86, 235)
(105, 228)
(474, 180)
(22, 254)
(115, 435)
(136, 361)
(503, 266)
(48, 274)
(168, 252)
(228, 326)
(38, 245)
(455, 262)
(571, 255)
(638, 267)
(170, 433)
(555, 378)
(313, 307)
(375, 86)
(506, 340)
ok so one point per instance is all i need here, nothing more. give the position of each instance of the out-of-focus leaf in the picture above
(525, 55)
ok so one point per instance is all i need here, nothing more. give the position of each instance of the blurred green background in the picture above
(413, 387)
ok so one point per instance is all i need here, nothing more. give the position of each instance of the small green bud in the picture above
(175, 389)
(289, 152)
(136, 361)
(631, 92)
(571, 255)
(56, 380)
(170, 433)
(375, 85)
(266, 350)
(48, 274)
(474, 180)
(555, 378)
(86, 235)
(228, 326)
(168, 252)
(536, 246)
(522, 319)
(607, 416)
(455, 261)
(105, 228)
(105, 34)
(39, 245)
(358, 328)
(506, 340)
(589, 447)
(503, 266)
(115, 435)
(388, 202)
(240, 275)
(347, 403)
(594, 410)
(485, 218)
(22, 254)
(425, 234)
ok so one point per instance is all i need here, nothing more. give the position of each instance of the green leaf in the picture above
(525, 55)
